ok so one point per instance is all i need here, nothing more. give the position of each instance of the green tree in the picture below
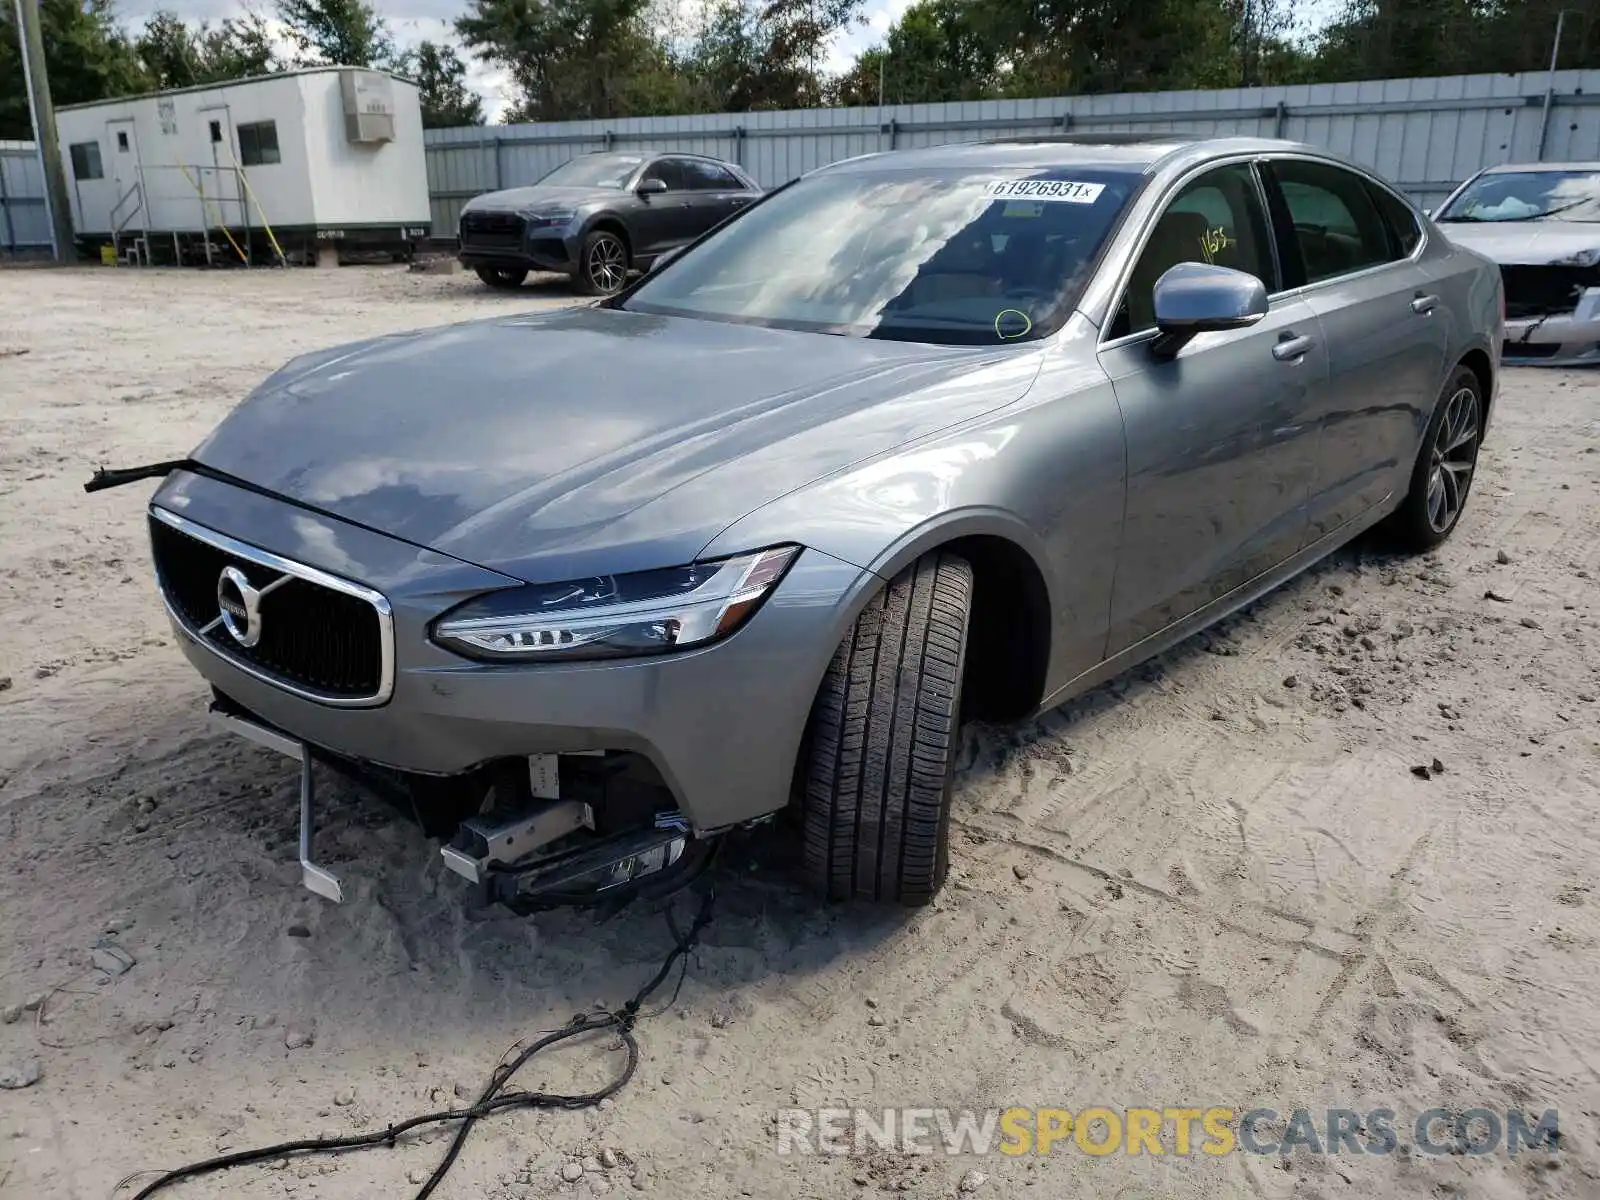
(1377, 39)
(238, 48)
(346, 33)
(577, 58)
(936, 51)
(176, 54)
(87, 56)
(442, 79)
(765, 54)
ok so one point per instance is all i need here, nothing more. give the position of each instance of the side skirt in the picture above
(1221, 607)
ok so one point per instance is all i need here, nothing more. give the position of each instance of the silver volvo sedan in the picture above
(922, 437)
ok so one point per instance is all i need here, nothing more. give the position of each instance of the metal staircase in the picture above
(138, 252)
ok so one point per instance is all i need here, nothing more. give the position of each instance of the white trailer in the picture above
(275, 167)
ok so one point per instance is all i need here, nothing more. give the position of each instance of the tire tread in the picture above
(883, 740)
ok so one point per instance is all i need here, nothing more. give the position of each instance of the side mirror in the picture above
(1194, 298)
(651, 186)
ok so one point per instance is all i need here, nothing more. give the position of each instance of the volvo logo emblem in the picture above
(240, 602)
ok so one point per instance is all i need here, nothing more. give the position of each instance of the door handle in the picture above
(1291, 348)
(1423, 305)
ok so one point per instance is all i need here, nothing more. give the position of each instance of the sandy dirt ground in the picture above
(1217, 881)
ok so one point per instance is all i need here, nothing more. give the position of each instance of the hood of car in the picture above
(590, 441)
(1526, 243)
(532, 199)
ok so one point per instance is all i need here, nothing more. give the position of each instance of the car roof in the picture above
(1522, 168)
(1134, 153)
(653, 155)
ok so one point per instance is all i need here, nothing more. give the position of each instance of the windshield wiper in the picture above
(1549, 212)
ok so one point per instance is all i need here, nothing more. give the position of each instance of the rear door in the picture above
(1352, 247)
(715, 193)
(1220, 439)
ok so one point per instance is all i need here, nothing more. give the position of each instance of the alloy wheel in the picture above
(607, 264)
(1454, 457)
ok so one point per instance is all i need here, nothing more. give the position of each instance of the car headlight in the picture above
(1582, 258)
(547, 220)
(648, 612)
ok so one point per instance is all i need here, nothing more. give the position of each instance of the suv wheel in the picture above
(882, 741)
(602, 264)
(1442, 476)
(504, 278)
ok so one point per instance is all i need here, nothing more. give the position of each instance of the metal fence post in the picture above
(1550, 85)
(499, 172)
(9, 243)
(1281, 114)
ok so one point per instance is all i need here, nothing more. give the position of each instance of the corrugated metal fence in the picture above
(1424, 134)
(24, 220)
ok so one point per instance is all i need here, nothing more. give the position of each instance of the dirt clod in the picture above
(16, 1074)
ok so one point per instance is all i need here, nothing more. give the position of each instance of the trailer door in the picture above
(130, 206)
(218, 179)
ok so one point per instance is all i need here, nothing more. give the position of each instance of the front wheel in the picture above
(1442, 475)
(502, 278)
(602, 264)
(883, 741)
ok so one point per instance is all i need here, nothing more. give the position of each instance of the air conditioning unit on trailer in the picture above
(368, 105)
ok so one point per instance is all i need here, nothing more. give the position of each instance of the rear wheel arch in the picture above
(1478, 362)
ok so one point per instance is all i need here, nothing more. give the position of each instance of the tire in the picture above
(502, 278)
(1441, 480)
(882, 741)
(602, 263)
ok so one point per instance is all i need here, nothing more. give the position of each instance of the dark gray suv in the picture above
(597, 216)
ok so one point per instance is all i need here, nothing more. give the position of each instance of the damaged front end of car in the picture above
(545, 831)
(1553, 311)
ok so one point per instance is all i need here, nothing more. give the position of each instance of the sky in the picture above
(416, 20)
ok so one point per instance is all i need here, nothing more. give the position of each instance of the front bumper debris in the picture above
(1552, 316)
(549, 852)
(317, 879)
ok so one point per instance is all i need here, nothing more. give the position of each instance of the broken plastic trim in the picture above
(110, 477)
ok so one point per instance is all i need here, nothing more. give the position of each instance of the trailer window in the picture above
(258, 143)
(85, 160)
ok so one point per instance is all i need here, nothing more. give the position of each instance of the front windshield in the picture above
(594, 170)
(1528, 196)
(960, 259)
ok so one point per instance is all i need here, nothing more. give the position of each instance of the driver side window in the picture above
(670, 172)
(1217, 218)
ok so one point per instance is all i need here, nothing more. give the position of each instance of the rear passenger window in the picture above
(705, 176)
(1403, 228)
(1337, 225)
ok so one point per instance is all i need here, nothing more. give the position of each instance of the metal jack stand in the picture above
(324, 883)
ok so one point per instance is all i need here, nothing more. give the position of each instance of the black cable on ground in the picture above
(494, 1098)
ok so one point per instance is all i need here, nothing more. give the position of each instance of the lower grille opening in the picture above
(1529, 350)
(1533, 291)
